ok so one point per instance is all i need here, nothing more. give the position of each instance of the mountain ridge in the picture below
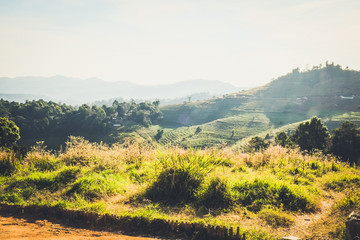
(79, 91)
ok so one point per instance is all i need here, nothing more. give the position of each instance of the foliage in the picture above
(282, 139)
(346, 142)
(259, 192)
(343, 181)
(256, 144)
(219, 187)
(9, 164)
(159, 134)
(217, 195)
(9, 132)
(311, 135)
(41, 120)
(180, 177)
(276, 218)
(98, 185)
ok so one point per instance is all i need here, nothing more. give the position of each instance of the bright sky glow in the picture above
(246, 43)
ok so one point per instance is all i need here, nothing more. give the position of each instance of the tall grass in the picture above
(79, 151)
(272, 186)
(9, 163)
(266, 191)
(99, 185)
(180, 176)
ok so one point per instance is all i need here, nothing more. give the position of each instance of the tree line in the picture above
(314, 135)
(54, 122)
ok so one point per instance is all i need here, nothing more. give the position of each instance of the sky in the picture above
(242, 42)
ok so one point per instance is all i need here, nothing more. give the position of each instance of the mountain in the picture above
(330, 93)
(78, 91)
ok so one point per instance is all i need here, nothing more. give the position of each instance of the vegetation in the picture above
(271, 188)
(248, 159)
(53, 123)
(9, 132)
(327, 91)
(311, 135)
(346, 142)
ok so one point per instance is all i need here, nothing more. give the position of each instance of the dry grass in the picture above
(139, 166)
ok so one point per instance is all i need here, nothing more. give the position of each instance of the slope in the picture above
(330, 93)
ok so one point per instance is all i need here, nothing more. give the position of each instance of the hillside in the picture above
(326, 92)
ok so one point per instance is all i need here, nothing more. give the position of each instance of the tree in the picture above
(9, 132)
(282, 139)
(346, 142)
(159, 134)
(311, 135)
(256, 144)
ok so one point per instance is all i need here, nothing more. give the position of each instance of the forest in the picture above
(54, 122)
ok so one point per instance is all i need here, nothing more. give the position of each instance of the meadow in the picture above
(269, 194)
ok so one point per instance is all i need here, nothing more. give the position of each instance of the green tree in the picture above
(9, 132)
(346, 142)
(256, 144)
(311, 135)
(282, 139)
(159, 134)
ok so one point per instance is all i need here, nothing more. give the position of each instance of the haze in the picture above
(163, 41)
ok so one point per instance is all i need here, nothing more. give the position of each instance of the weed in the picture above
(9, 164)
(12, 197)
(260, 192)
(44, 181)
(217, 195)
(343, 181)
(98, 185)
(276, 217)
(40, 159)
(180, 178)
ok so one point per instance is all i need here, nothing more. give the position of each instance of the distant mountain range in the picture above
(78, 91)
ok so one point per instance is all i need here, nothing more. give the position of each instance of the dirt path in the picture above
(12, 228)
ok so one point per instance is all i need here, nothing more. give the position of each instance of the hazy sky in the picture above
(243, 42)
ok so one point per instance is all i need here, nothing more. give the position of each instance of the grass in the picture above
(225, 187)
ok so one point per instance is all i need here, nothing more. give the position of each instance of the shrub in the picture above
(11, 197)
(9, 164)
(47, 180)
(40, 159)
(276, 217)
(344, 181)
(349, 203)
(175, 186)
(260, 192)
(217, 195)
(98, 185)
(181, 175)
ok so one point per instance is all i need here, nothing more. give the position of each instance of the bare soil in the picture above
(16, 228)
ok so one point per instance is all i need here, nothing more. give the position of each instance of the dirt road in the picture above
(13, 228)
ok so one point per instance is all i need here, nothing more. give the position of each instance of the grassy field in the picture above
(270, 194)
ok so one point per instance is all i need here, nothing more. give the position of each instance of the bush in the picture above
(180, 177)
(47, 180)
(11, 197)
(175, 186)
(9, 164)
(217, 195)
(98, 185)
(345, 181)
(276, 217)
(40, 159)
(260, 192)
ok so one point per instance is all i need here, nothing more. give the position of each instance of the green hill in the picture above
(330, 93)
